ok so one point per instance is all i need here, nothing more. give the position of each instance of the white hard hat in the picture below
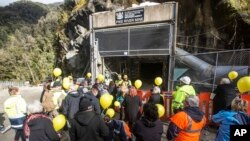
(185, 80)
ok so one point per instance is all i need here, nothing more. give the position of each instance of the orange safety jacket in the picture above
(189, 129)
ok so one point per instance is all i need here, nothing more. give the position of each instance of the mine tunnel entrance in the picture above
(148, 72)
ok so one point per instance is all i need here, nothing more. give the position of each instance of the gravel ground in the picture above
(32, 93)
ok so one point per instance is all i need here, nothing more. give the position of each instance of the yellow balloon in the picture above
(117, 104)
(232, 75)
(66, 80)
(66, 85)
(89, 75)
(59, 122)
(110, 112)
(158, 81)
(105, 101)
(100, 77)
(138, 84)
(161, 110)
(57, 72)
(70, 77)
(111, 96)
(243, 84)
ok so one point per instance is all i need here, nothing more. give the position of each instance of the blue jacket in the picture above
(116, 129)
(227, 118)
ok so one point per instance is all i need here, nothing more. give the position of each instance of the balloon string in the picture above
(102, 113)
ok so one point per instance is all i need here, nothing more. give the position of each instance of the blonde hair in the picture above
(239, 104)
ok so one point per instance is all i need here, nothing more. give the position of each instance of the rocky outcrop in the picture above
(207, 25)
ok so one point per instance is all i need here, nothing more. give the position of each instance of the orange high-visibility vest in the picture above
(189, 129)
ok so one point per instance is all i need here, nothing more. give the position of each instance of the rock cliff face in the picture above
(203, 25)
(74, 43)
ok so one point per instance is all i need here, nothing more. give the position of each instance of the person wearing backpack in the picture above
(118, 130)
(87, 125)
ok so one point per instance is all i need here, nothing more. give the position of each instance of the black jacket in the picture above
(131, 105)
(70, 104)
(224, 95)
(94, 101)
(88, 126)
(156, 99)
(41, 129)
(145, 130)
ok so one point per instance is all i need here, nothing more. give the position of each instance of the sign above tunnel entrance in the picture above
(139, 15)
(129, 16)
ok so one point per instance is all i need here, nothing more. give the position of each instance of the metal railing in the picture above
(6, 84)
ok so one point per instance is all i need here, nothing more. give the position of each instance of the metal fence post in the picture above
(216, 63)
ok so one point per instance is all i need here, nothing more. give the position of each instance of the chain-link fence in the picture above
(206, 69)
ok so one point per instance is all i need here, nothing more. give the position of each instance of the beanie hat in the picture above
(85, 104)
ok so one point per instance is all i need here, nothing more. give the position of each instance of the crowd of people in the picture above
(133, 119)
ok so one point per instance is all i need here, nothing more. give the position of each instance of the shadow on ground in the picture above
(2, 118)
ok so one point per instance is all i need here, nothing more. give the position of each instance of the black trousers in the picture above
(19, 134)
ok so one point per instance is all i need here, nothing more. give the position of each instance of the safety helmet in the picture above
(185, 80)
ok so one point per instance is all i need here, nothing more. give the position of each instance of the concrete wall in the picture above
(156, 13)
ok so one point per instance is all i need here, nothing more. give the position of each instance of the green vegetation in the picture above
(242, 7)
(27, 41)
(34, 38)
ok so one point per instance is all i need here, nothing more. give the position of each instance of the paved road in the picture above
(29, 94)
(33, 93)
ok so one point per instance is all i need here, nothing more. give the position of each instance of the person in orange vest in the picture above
(186, 125)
